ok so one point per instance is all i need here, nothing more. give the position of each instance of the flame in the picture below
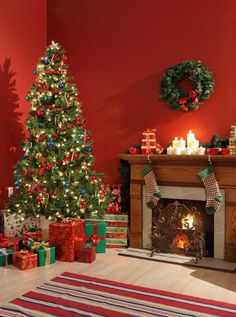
(187, 222)
(182, 241)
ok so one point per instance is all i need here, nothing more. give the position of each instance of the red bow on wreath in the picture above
(183, 101)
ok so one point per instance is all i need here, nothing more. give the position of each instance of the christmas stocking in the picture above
(214, 197)
(153, 192)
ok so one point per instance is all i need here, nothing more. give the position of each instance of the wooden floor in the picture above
(176, 278)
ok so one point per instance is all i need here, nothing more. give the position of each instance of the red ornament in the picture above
(78, 121)
(64, 58)
(39, 188)
(31, 190)
(93, 177)
(55, 57)
(225, 151)
(39, 112)
(83, 203)
(134, 150)
(39, 199)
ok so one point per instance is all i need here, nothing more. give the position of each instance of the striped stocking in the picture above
(214, 198)
(153, 192)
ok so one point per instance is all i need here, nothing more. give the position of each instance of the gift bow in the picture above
(192, 95)
(94, 239)
(45, 246)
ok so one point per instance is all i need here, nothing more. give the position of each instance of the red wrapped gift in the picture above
(35, 235)
(25, 260)
(87, 254)
(149, 141)
(225, 151)
(67, 236)
(119, 224)
(116, 235)
(10, 243)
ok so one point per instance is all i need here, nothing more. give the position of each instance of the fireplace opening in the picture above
(182, 227)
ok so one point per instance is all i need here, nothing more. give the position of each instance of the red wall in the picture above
(22, 41)
(117, 51)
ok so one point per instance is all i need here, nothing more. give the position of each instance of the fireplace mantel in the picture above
(181, 170)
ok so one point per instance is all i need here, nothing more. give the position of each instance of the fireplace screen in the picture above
(182, 227)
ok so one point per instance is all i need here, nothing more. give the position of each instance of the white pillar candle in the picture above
(190, 138)
(188, 151)
(177, 151)
(201, 150)
(182, 143)
(170, 150)
(175, 142)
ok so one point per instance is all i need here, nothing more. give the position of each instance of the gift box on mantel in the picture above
(95, 231)
(67, 236)
(87, 253)
(25, 260)
(6, 256)
(46, 253)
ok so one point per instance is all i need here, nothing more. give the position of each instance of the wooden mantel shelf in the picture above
(182, 170)
(180, 159)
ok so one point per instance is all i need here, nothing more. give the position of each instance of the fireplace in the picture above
(177, 174)
(189, 203)
(182, 227)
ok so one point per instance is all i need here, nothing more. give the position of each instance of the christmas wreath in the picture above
(201, 80)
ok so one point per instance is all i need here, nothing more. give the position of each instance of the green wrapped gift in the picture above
(6, 256)
(116, 217)
(96, 231)
(46, 253)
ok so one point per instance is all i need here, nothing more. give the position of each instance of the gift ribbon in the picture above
(5, 253)
(45, 246)
(183, 101)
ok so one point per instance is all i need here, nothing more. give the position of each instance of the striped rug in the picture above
(70, 295)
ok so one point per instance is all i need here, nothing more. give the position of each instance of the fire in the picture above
(187, 222)
(182, 241)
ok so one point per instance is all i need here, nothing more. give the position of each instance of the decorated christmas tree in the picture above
(54, 178)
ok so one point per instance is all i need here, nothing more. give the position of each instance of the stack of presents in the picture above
(70, 240)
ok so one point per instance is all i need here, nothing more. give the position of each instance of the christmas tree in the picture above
(54, 177)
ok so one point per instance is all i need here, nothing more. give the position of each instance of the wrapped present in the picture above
(96, 232)
(25, 260)
(116, 217)
(46, 253)
(113, 196)
(116, 224)
(14, 225)
(113, 242)
(149, 141)
(6, 256)
(11, 243)
(232, 140)
(117, 229)
(87, 253)
(67, 236)
(116, 235)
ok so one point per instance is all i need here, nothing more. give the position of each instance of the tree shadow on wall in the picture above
(11, 130)
(137, 108)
